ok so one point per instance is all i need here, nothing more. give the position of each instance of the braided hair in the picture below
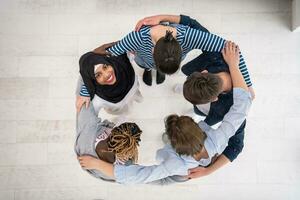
(124, 140)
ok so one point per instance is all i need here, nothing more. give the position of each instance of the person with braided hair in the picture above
(97, 139)
(191, 144)
(123, 142)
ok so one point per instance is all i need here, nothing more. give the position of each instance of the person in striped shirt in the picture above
(150, 42)
(209, 88)
(191, 144)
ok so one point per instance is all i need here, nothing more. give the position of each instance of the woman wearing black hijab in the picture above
(109, 82)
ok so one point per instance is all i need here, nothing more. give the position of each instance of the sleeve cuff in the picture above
(84, 92)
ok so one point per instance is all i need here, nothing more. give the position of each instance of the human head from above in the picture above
(122, 144)
(185, 135)
(202, 87)
(167, 54)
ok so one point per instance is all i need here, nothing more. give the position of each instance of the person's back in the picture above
(106, 141)
(88, 126)
(193, 144)
(189, 148)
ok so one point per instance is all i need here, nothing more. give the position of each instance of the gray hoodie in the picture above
(88, 127)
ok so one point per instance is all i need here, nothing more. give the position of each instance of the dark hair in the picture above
(201, 88)
(167, 54)
(185, 135)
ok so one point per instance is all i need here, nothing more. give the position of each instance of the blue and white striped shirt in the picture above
(141, 43)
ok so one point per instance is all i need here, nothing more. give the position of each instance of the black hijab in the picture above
(124, 74)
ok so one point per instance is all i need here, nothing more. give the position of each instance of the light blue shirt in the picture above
(172, 164)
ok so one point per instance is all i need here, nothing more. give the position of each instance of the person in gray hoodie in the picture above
(106, 141)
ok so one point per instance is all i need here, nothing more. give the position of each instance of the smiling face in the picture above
(105, 74)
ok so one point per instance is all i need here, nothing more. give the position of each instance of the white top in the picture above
(121, 106)
(114, 108)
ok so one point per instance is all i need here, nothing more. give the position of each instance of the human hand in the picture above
(198, 172)
(80, 100)
(230, 54)
(102, 49)
(148, 21)
(88, 162)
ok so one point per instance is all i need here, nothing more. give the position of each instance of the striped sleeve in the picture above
(84, 92)
(244, 70)
(130, 42)
(197, 39)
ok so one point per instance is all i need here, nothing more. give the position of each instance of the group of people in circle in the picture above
(218, 86)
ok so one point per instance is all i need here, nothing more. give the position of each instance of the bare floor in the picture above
(40, 44)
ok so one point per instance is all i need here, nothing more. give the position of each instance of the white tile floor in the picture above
(40, 43)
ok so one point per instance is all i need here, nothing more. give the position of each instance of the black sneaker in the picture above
(160, 77)
(147, 77)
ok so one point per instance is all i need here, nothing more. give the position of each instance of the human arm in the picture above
(90, 163)
(174, 19)
(204, 171)
(234, 148)
(218, 138)
(134, 174)
(231, 55)
(156, 19)
(82, 95)
(188, 21)
(170, 164)
(131, 42)
(86, 128)
(102, 50)
(197, 39)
